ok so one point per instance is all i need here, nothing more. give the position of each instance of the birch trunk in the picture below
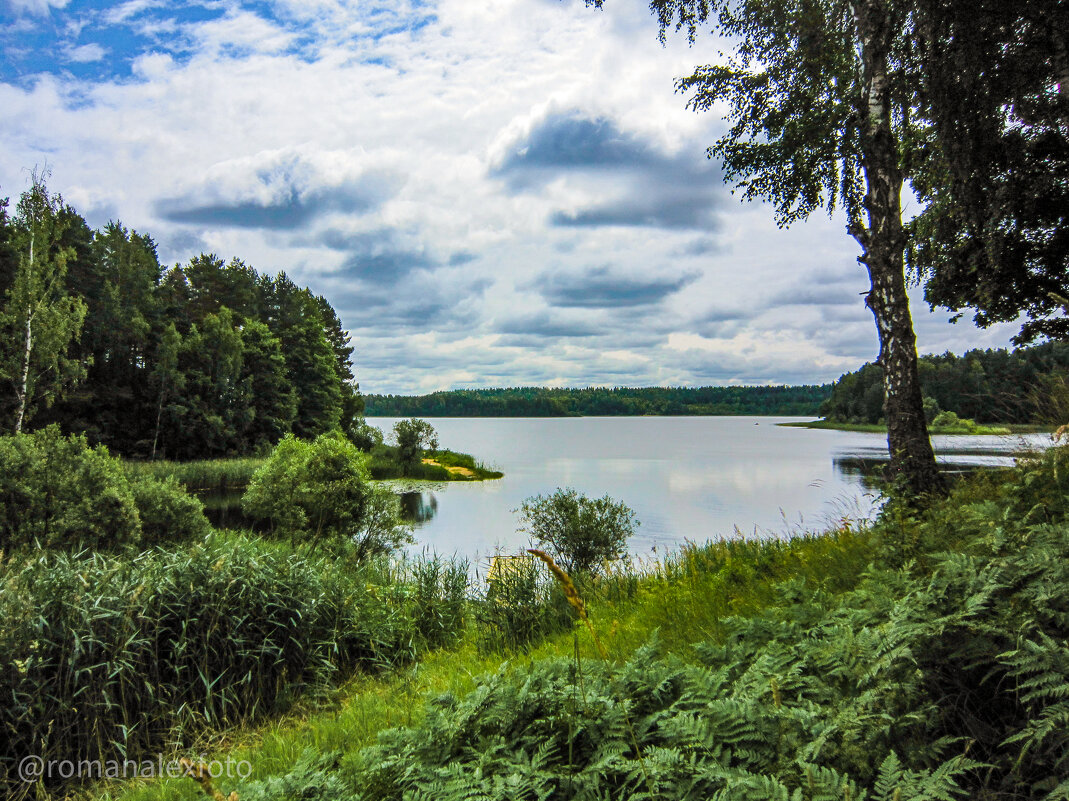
(27, 351)
(883, 244)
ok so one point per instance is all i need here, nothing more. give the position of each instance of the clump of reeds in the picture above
(107, 657)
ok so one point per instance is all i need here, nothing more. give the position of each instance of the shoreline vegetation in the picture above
(784, 651)
(1023, 390)
(975, 429)
(233, 475)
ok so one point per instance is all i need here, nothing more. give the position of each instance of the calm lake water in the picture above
(687, 478)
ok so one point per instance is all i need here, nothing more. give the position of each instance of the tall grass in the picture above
(105, 658)
(206, 475)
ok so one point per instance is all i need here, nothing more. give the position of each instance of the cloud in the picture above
(534, 328)
(571, 140)
(655, 212)
(810, 295)
(85, 54)
(279, 190)
(385, 268)
(605, 287)
(648, 186)
(37, 8)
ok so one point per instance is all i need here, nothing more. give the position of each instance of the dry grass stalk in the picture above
(199, 773)
(571, 593)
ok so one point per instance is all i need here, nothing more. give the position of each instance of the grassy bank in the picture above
(975, 430)
(922, 657)
(440, 465)
(684, 599)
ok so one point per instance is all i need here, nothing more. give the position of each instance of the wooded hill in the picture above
(1027, 385)
(599, 401)
(194, 361)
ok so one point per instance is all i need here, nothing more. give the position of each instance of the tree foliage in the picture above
(413, 437)
(320, 492)
(205, 359)
(1028, 385)
(580, 532)
(39, 318)
(603, 402)
(991, 160)
(59, 493)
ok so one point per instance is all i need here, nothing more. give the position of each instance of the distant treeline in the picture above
(1028, 385)
(195, 361)
(607, 402)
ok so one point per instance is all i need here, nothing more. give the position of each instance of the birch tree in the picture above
(39, 319)
(815, 95)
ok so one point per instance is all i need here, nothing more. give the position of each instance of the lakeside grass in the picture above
(875, 428)
(681, 599)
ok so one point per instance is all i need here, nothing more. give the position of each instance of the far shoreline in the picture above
(997, 429)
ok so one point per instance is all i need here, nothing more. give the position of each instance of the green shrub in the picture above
(581, 533)
(321, 490)
(57, 492)
(168, 513)
(364, 435)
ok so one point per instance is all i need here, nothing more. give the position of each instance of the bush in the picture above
(321, 491)
(579, 532)
(168, 513)
(57, 492)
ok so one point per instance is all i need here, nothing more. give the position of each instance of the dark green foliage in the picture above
(57, 492)
(547, 402)
(106, 658)
(580, 533)
(726, 730)
(988, 386)
(272, 396)
(992, 162)
(321, 491)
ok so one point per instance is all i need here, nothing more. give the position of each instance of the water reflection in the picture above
(223, 510)
(418, 507)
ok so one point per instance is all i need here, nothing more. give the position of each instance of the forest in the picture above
(603, 402)
(1025, 385)
(192, 361)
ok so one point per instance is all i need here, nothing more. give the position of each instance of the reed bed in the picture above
(106, 658)
(206, 475)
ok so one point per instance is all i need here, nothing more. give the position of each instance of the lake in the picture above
(687, 478)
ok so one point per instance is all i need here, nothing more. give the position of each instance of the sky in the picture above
(490, 192)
